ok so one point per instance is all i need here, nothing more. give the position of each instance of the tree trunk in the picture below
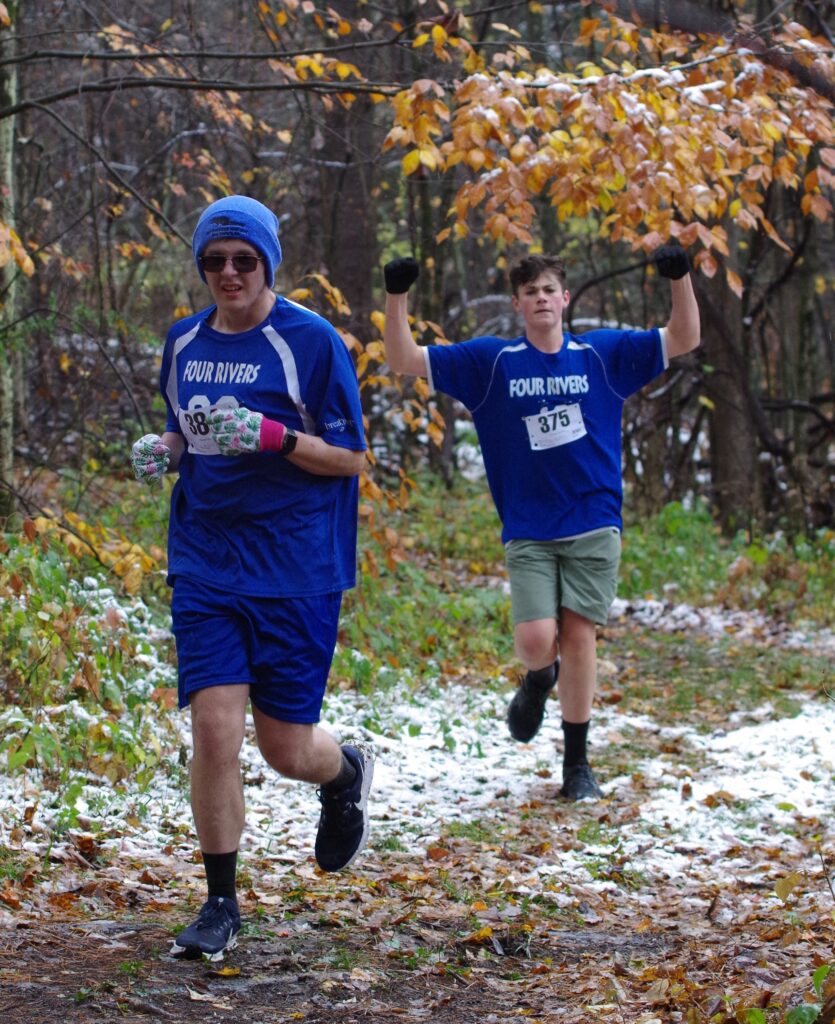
(348, 181)
(8, 275)
(733, 432)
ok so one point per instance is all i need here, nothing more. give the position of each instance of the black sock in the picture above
(346, 777)
(220, 874)
(541, 678)
(575, 734)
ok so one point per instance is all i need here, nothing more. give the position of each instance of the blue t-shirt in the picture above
(256, 524)
(550, 423)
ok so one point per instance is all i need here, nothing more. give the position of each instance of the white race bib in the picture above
(193, 423)
(550, 428)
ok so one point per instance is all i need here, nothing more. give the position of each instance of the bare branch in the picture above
(35, 56)
(190, 85)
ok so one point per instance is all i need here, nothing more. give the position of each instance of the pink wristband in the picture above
(272, 434)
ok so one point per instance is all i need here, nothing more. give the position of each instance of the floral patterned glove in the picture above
(149, 458)
(238, 431)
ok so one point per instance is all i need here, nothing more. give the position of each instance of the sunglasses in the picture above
(242, 262)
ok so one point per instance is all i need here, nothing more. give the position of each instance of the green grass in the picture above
(678, 676)
(390, 842)
(680, 554)
(475, 831)
(458, 523)
(11, 864)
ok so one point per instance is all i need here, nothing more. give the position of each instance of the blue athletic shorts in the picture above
(281, 647)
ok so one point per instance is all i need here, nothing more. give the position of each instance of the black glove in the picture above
(400, 275)
(672, 261)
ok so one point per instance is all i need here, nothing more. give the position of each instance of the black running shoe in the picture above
(343, 823)
(217, 924)
(527, 709)
(579, 783)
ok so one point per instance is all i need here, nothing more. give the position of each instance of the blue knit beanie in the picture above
(244, 218)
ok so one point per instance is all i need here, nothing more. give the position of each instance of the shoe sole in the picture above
(579, 799)
(365, 789)
(196, 953)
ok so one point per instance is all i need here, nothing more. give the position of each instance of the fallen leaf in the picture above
(785, 886)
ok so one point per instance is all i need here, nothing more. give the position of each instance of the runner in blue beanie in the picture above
(244, 218)
(264, 426)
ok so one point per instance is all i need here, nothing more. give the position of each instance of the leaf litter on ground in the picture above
(697, 889)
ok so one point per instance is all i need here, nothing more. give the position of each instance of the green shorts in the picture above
(580, 574)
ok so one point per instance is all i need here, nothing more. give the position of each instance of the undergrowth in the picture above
(680, 555)
(85, 655)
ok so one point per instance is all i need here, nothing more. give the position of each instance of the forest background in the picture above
(462, 134)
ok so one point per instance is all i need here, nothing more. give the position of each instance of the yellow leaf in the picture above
(436, 435)
(565, 209)
(785, 886)
(473, 62)
(427, 158)
(132, 580)
(411, 162)
(481, 935)
(772, 131)
(379, 320)
(4, 16)
(439, 35)
(706, 402)
(420, 40)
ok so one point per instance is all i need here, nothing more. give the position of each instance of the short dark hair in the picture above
(528, 268)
